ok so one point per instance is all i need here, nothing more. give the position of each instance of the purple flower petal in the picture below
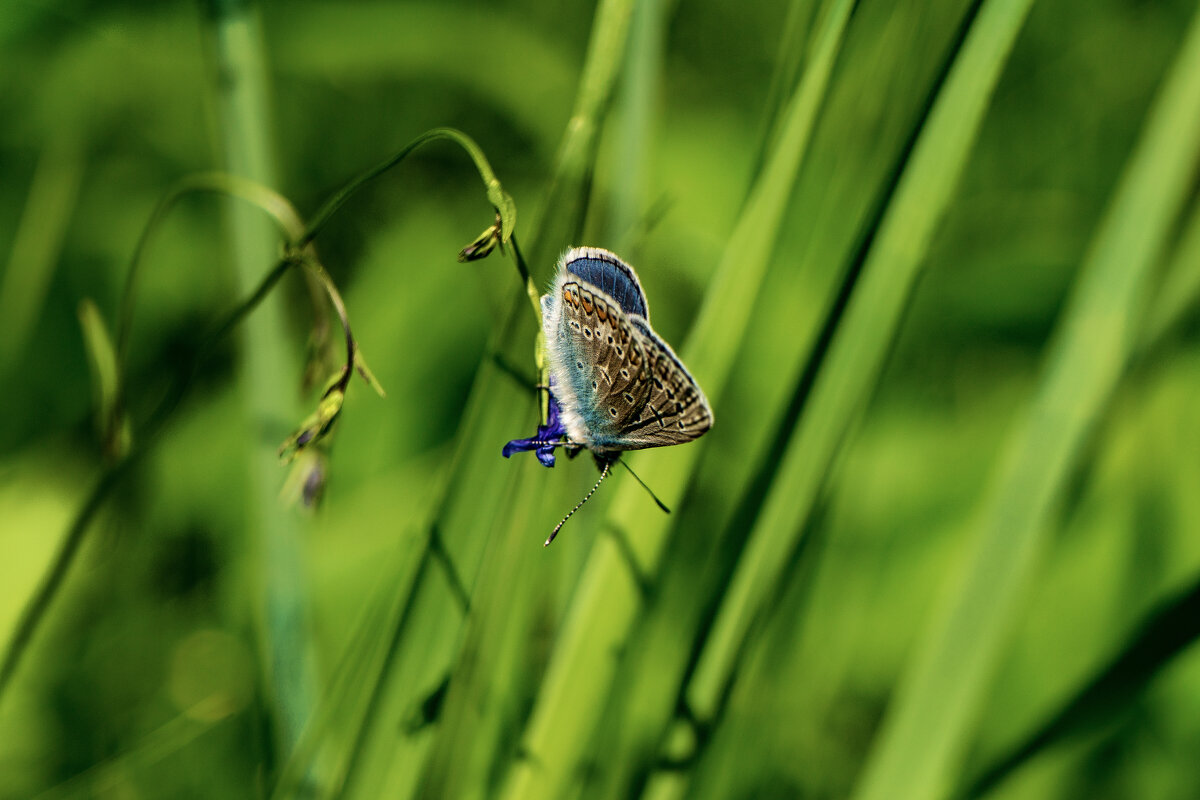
(545, 441)
(519, 446)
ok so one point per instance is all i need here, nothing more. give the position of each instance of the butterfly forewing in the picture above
(607, 366)
(612, 276)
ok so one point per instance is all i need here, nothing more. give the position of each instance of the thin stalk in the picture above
(506, 209)
(270, 202)
(267, 373)
(500, 199)
(112, 415)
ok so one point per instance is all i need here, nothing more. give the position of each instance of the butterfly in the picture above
(614, 384)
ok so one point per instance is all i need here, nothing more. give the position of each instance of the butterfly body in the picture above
(618, 385)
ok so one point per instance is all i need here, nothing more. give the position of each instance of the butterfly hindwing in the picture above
(676, 410)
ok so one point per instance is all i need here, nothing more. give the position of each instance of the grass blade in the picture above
(1164, 634)
(560, 220)
(929, 722)
(102, 361)
(1180, 289)
(859, 348)
(793, 46)
(634, 122)
(38, 242)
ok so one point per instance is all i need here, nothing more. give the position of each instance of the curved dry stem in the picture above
(499, 198)
(506, 209)
(271, 202)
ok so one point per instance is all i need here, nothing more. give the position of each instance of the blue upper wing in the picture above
(610, 275)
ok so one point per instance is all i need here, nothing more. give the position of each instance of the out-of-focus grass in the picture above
(779, 174)
(926, 732)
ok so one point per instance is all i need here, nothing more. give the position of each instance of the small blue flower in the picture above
(545, 441)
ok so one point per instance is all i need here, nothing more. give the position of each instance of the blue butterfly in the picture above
(615, 385)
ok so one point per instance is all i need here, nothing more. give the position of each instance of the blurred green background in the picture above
(934, 262)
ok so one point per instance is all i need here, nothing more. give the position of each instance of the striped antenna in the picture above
(638, 478)
(588, 496)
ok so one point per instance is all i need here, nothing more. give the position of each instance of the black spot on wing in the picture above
(615, 280)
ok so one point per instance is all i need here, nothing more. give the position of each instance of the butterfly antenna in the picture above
(586, 497)
(653, 496)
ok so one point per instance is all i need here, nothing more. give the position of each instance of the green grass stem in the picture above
(559, 222)
(1179, 292)
(268, 373)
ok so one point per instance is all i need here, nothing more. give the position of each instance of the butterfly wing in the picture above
(599, 365)
(608, 273)
(676, 410)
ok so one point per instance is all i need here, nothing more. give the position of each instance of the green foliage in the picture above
(1098, 329)
(934, 262)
